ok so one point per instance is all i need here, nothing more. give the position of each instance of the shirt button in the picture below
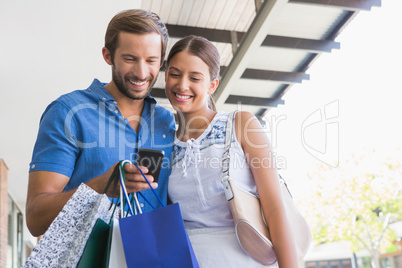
(164, 136)
(142, 205)
(103, 98)
(33, 166)
(116, 111)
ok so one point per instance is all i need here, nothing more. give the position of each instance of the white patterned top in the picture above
(195, 181)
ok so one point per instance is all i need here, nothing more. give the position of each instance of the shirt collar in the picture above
(99, 89)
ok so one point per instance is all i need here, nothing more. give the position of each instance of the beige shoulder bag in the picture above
(251, 229)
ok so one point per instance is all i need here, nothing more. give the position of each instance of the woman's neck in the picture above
(191, 126)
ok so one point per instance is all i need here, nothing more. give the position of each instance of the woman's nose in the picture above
(183, 84)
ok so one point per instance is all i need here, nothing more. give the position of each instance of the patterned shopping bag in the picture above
(63, 243)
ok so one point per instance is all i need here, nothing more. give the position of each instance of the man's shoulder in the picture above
(75, 97)
(79, 96)
(161, 112)
(163, 118)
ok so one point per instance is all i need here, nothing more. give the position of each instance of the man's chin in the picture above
(137, 95)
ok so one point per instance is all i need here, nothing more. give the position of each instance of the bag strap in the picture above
(226, 156)
(153, 190)
(123, 190)
(228, 142)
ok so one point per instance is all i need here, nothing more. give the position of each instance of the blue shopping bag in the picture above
(157, 238)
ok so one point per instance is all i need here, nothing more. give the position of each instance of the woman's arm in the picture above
(259, 155)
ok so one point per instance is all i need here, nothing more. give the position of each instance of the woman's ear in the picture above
(213, 86)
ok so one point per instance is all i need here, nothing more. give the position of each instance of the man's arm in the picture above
(46, 198)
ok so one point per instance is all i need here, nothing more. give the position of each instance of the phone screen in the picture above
(151, 159)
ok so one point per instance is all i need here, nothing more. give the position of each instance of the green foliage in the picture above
(356, 202)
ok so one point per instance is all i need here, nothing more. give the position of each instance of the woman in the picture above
(195, 182)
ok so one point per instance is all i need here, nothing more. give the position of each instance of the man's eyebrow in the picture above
(134, 56)
(129, 55)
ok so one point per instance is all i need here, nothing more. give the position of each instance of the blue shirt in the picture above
(82, 134)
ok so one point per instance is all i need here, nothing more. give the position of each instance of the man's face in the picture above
(136, 64)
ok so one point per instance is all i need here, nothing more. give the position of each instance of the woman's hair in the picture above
(137, 21)
(203, 49)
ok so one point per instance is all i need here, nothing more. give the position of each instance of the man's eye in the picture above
(196, 79)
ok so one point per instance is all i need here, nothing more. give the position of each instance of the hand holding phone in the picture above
(151, 159)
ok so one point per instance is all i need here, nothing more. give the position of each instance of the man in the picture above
(83, 134)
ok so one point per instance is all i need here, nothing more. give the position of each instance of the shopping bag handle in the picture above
(122, 164)
(153, 190)
(123, 190)
(113, 178)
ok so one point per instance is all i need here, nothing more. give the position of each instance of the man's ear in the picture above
(107, 56)
(213, 86)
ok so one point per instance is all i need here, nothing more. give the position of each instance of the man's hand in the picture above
(135, 182)
(46, 198)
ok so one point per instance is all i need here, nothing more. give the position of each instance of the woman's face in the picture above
(188, 83)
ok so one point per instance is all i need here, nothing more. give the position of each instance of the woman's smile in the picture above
(181, 97)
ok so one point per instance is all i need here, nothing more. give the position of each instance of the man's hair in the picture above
(137, 21)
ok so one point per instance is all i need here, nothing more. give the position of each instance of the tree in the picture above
(357, 202)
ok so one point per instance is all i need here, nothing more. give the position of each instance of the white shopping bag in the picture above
(117, 257)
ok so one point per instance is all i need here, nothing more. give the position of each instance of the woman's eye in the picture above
(174, 75)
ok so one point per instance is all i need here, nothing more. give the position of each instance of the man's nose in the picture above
(141, 70)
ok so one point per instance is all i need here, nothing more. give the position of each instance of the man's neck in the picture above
(129, 108)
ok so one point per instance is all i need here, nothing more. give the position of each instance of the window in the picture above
(15, 252)
(20, 222)
(341, 263)
(346, 264)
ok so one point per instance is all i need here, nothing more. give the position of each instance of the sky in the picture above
(350, 104)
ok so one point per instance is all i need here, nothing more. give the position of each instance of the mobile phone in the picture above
(151, 159)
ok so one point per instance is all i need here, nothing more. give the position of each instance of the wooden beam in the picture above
(252, 40)
(311, 45)
(224, 36)
(213, 35)
(255, 101)
(353, 5)
(285, 77)
(158, 93)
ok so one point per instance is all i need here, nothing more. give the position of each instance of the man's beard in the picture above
(125, 91)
